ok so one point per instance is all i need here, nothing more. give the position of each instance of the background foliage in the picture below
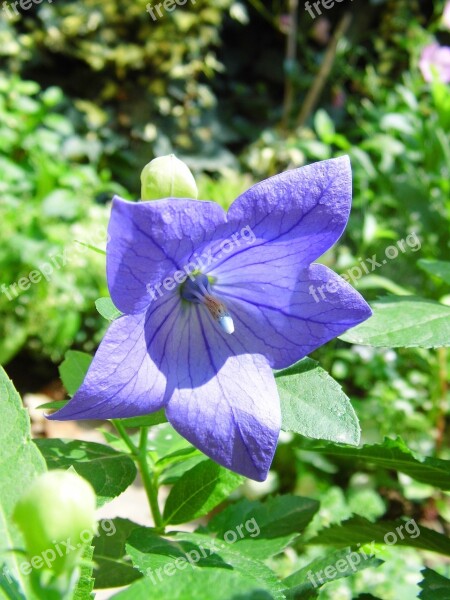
(91, 91)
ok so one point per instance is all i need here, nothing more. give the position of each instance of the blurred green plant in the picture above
(49, 181)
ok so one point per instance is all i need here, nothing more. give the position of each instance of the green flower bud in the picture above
(57, 518)
(167, 177)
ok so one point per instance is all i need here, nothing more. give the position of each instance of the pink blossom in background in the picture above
(435, 58)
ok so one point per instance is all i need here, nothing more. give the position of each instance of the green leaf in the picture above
(342, 563)
(314, 405)
(56, 405)
(174, 465)
(164, 440)
(85, 583)
(73, 369)
(91, 247)
(198, 491)
(434, 586)
(204, 569)
(359, 530)
(395, 454)
(109, 472)
(107, 309)
(147, 420)
(263, 530)
(113, 566)
(9, 585)
(20, 463)
(438, 268)
(406, 322)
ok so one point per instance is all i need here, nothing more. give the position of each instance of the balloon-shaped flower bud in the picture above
(167, 177)
(56, 515)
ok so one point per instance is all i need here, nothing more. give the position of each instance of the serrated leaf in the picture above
(198, 491)
(306, 582)
(359, 530)
(214, 569)
(264, 529)
(113, 566)
(73, 369)
(434, 586)
(106, 308)
(109, 472)
(438, 268)
(226, 583)
(314, 405)
(406, 322)
(20, 463)
(395, 454)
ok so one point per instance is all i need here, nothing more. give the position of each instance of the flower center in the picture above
(197, 289)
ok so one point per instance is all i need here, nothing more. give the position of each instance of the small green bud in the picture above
(167, 177)
(57, 518)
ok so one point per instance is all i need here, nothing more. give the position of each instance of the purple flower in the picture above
(435, 58)
(204, 346)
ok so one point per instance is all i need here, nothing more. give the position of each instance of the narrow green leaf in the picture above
(73, 369)
(91, 247)
(198, 491)
(20, 463)
(109, 472)
(306, 582)
(406, 322)
(395, 454)
(9, 585)
(56, 405)
(438, 268)
(314, 405)
(434, 586)
(401, 532)
(147, 420)
(106, 308)
(113, 567)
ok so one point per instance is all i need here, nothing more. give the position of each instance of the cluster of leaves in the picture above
(149, 76)
(49, 181)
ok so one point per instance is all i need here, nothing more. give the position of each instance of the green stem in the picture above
(149, 480)
(124, 435)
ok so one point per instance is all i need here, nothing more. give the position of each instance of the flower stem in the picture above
(149, 480)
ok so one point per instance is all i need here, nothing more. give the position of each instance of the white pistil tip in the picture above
(226, 323)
